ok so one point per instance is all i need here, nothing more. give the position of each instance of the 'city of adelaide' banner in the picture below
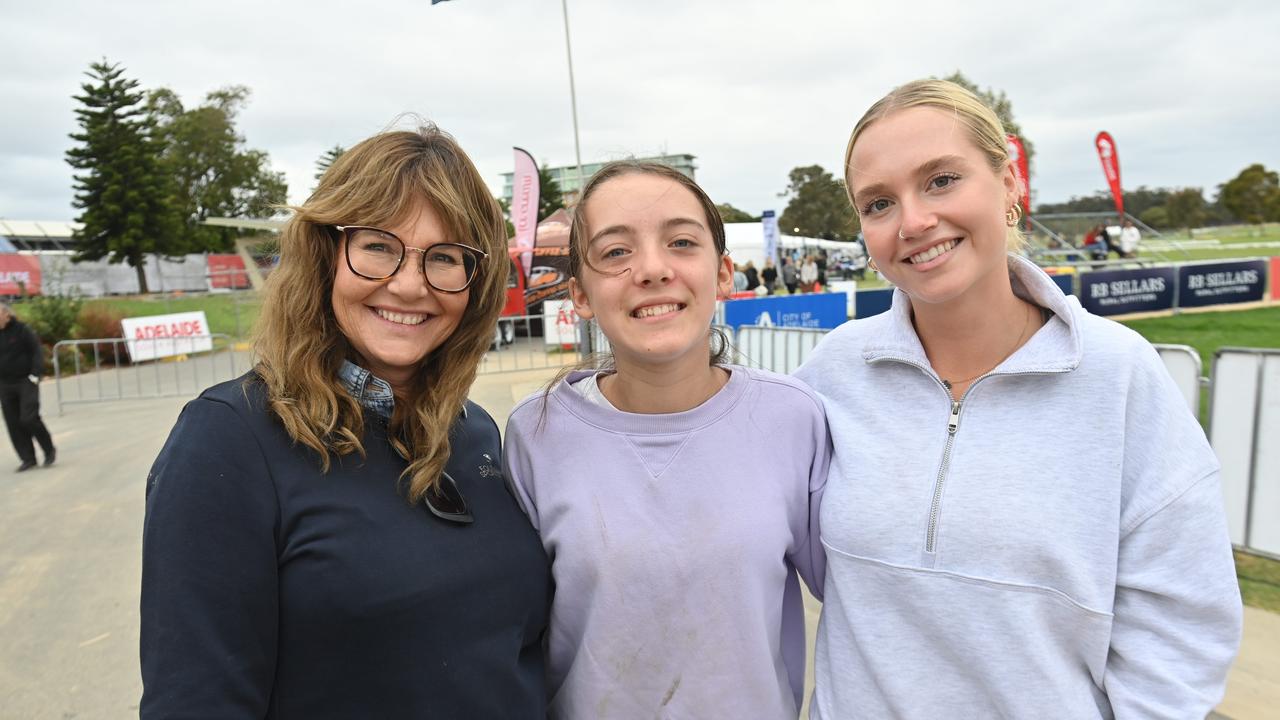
(1220, 283)
(1112, 292)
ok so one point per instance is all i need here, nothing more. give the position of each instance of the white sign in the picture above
(769, 223)
(559, 322)
(159, 336)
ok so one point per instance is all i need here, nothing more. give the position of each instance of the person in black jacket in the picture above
(331, 536)
(21, 364)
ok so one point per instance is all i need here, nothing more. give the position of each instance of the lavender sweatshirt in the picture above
(674, 541)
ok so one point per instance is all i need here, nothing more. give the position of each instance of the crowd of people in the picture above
(342, 533)
(1102, 240)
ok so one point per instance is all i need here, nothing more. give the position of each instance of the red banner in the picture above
(1018, 156)
(524, 204)
(1275, 278)
(227, 271)
(1110, 167)
(19, 273)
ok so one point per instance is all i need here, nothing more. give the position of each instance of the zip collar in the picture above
(1055, 348)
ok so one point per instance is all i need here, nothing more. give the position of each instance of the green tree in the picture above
(1253, 196)
(731, 214)
(327, 160)
(215, 174)
(550, 199)
(1186, 208)
(1003, 107)
(122, 190)
(818, 206)
(1156, 217)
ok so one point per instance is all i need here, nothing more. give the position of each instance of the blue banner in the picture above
(815, 310)
(1221, 283)
(1113, 292)
(873, 302)
(1066, 281)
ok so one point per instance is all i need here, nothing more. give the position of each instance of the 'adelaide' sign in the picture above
(1112, 292)
(158, 336)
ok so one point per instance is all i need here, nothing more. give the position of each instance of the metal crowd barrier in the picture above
(114, 376)
(1244, 429)
(780, 349)
(1183, 364)
(521, 343)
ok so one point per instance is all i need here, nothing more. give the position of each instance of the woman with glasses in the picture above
(331, 535)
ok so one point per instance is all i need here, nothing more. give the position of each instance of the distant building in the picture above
(566, 177)
(18, 235)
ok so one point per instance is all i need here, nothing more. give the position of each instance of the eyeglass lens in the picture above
(377, 255)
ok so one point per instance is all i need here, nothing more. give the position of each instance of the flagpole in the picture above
(573, 97)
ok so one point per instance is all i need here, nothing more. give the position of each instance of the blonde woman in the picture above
(980, 562)
(330, 536)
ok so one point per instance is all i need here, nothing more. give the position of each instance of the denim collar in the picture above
(372, 392)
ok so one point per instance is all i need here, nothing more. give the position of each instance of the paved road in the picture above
(70, 566)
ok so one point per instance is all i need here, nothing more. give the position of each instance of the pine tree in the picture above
(327, 160)
(123, 196)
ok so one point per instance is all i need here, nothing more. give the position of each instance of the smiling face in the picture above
(653, 271)
(932, 209)
(394, 324)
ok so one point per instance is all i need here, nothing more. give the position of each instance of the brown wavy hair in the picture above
(300, 348)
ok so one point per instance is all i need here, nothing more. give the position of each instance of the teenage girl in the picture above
(676, 496)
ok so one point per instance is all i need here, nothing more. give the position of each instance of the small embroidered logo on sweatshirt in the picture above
(487, 468)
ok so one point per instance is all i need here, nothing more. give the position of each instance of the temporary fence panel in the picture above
(1245, 409)
(96, 370)
(1265, 506)
(1183, 364)
(519, 344)
(780, 349)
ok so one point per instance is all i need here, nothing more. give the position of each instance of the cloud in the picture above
(752, 88)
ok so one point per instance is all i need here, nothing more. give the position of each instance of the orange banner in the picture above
(1275, 278)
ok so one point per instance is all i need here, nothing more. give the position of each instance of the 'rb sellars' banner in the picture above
(1018, 155)
(1111, 167)
(524, 204)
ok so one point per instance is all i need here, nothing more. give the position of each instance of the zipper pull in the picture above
(954, 422)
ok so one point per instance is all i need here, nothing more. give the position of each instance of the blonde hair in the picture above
(300, 347)
(984, 127)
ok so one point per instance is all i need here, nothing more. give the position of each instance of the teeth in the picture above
(653, 310)
(401, 318)
(932, 252)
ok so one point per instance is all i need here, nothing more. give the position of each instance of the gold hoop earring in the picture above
(1013, 215)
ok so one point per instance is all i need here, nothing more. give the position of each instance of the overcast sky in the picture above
(752, 88)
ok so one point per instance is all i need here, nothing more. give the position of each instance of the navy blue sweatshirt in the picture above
(273, 590)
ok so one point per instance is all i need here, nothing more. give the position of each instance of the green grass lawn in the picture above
(1206, 332)
(229, 314)
(1259, 581)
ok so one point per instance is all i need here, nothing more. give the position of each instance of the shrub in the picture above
(101, 321)
(53, 317)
